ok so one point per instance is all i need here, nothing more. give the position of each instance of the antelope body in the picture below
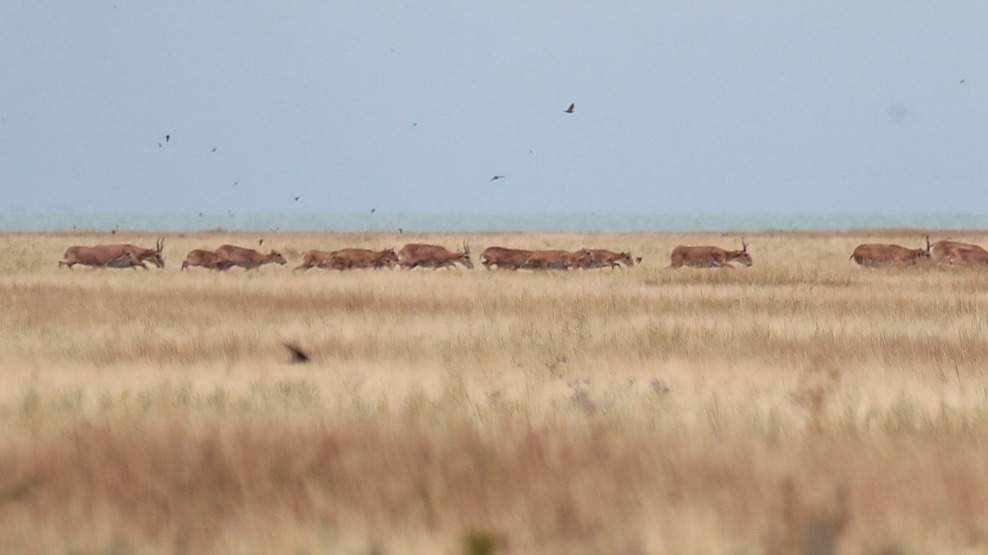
(887, 255)
(553, 259)
(955, 252)
(248, 259)
(414, 255)
(205, 259)
(602, 258)
(315, 259)
(503, 257)
(347, 259)
(147, 255)
(709, 257)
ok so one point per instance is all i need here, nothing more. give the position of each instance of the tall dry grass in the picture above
(803, 405)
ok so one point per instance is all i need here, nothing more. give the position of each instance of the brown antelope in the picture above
(502, 257)
(414, 255)
(871, 254)
(601, 258)
(101, 256)
(315, 259)
(205, 259)
(709, 257)
(347, 259)
(248, 259)
(955, 252)
(552, 259)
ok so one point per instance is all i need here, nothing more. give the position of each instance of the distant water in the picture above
(383, 221)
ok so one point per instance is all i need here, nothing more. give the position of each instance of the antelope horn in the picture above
(744, 246)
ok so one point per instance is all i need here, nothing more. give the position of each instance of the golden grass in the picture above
(803, 405)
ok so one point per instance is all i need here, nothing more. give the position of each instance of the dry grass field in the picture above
(804, 405)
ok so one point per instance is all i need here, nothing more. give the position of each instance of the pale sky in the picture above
(696, 106)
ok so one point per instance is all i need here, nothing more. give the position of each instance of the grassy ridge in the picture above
(803, 404)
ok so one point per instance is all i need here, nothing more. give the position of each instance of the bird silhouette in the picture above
(299, 356)
(214, 149)
(168, 138)
(963, 81)
(496, 177)
(373, 210)
(296, 199)
(571, 109)
(235, 183)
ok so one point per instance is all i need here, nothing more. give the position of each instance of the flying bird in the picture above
(168, 138)
(299, 356)
(296, 199)
(373, 210)
(496, 177)
(963, 81)
(235, 183)
(214, 149)
(571, 109)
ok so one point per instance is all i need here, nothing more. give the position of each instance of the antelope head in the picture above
(156, 258)
(465, 256)
(742, 255)
(275, 256)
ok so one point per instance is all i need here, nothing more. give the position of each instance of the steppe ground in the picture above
(804, 405)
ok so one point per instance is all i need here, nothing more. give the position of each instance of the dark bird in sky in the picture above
(235, 183)
(415, 124)
(200, 214)
(160, 145)
(963, 81)
(496, 177)
(299, 356)
(296, 199)
(168, 138)
(571, 109)
(214, 149)
(373, 210)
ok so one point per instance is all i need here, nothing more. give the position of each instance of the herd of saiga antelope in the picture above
(418, 255)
